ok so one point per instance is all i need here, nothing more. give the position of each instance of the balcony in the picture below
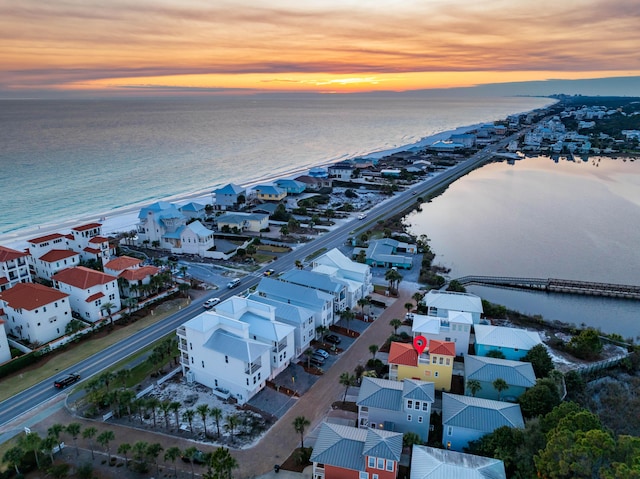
(182, 331)
(253, 367)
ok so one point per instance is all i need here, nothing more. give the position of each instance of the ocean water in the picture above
(64, 159)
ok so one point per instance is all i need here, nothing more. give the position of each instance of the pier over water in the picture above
(557, 286)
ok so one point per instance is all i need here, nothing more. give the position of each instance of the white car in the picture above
(321, 352)
(210, 303)
(362, 216)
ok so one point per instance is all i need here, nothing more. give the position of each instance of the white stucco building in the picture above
(14, 267)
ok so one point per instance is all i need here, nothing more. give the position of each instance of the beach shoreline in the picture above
(126, 218)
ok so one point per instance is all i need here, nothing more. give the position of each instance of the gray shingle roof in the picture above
(246, 350)
(285, 311)
(454, 301)
(312, 280)
(385, 444)
(432, 463)
(479, 414)
(390, 395)
(515, 373)
(293, 293)
(506, 337)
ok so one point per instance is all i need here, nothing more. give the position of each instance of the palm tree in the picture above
(188, 416)
(203, 410)
(373, 349)
(122, 375)
(108, 307)
(473, 386)
(395, 324)
(417, 297)
(171, 454)
(299, 424)
(54, 431)
(73, 429)
(13, 457)
(184, 289)
(222, 463)
(362, 302)
(346, 380)
(299, 264)
(153, 403)
(127, 398)
(394, 278)
(47, 445)
(165, 406)
(104, 440)
(124, 448)
(154, 450)
(175, 407)
(309, 354)
(216, 414)
(31, 442)
(409, 439)
(106, 378)
(408, 307)
(500, 385)
(190, 453)
(347, 315)
(321, 331)
(89, 433)
(232, 422)
(140, 454)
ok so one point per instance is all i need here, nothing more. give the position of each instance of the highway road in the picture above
(44, 391)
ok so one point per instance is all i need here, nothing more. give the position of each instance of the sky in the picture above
(133, 47)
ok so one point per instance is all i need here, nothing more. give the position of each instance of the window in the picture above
(372, 461)
(409, 417)
(420, 419)
(363, 475)
(226, 359)
(191, 346)
(416, 405)
(448, 361)
(380, 463)
(374, 476)
(390, 465)
(409, 404)
(436, 374)
(202, 363)
(425, 406)
(441, 360)
(449, 431)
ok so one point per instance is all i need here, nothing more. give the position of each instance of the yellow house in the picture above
(270, 193)
(434, 365)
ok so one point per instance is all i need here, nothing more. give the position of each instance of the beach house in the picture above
(334, 263)
(388, 253)
(454, 327)
(518, 376)
(35, 313)
(14, 268)
(513, 343)
(239, 222)
(466, 419)
(433, 463)
(399, 406)
(193, 211)
(156, 220)
(5, 350)
(53, 261)
(292, 187)
(269, 193)
(87, 240)
(345, 452)
(89, 291)
(230, 351)
(321, 282)
(229, 197)
(319, 302)
(302, 319)
(439, 303)
(43, 244)
(131, 274)
(191, 238)
(435, 364)
(343, 170)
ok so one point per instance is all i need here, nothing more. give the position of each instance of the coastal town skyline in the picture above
(167, 47)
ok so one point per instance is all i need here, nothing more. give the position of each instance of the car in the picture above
(414, 193)
(332, 338)
(67, 380)
(322, 353)
(210, 303)
(316, 362)
(199, 457)
(318, 357)
(269, 272)
(362, 216)
(233, 283)
(173, 258)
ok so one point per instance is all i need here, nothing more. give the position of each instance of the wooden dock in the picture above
(557, 286)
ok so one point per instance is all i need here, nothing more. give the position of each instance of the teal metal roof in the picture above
(479, 414)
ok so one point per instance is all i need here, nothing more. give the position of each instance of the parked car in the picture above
(173, 258)
(233, 283)
(269, 272)
(199, 457)
(316, 362)
(332, 338)
(67, 380)
(322, 353)
(319, 357)
(210, 303)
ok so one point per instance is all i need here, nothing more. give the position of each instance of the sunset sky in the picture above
(172, 46)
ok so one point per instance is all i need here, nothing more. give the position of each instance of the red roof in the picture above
(31, 296)
(445, 348)
(57, 255)
(122, 262)
(3, 280)
(82, 277)
(139, 273)
(8, 254)
(403, 353)
(88, 226)
(42, 239)
(92, 250)
(98, 239)
(93, 297)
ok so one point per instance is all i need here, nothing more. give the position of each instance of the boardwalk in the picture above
(557, 286)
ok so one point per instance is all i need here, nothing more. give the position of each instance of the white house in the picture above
(158, 219)
(192, 238)
(88, 291)
(455, 327)
(333, 262)
(89, 242)
(229, 196)
(439, 303)
(322, 282)
(35, 312)
(302, 319)
(132, 272)
(53, 261)
(43, 244)
(312, 299)
(218, 352)
(254, 222)
(193, 210)
(14, 268)
(5, 351)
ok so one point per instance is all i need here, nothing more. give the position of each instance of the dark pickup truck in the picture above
(67, 380)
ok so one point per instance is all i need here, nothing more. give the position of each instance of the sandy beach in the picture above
(126, 218)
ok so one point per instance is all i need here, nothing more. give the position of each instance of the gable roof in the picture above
(336, 257)
(490, 335)
(82, 277)
(30, 296)
(43, 239)
(199, 229)
(285, 311)
(454, 301)
(192, 207)
(88, 226)
(311, 279)
(269, 190)
(138, 274)
(229, 344)
(293, 293)
(57, 255)
(486, 369)
(230, 189)
(8, 254)
(479, 414)
(432, 463)
(403, 353)
(238, 217)
(390, 395)
(122, 262)
(445, 348)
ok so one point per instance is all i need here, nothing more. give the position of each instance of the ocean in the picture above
(67, 159)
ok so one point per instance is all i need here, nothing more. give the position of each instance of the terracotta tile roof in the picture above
(42, 239)
(88, 226)
(57, 255)
(139, 273)
(93, 297)
(98, 239)
(8, 254)
(92, 250)
(82, 277)
(69, 236)
(3, 280)
(403, 353)
(31, 296)
(446, 348)
(122, 262)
